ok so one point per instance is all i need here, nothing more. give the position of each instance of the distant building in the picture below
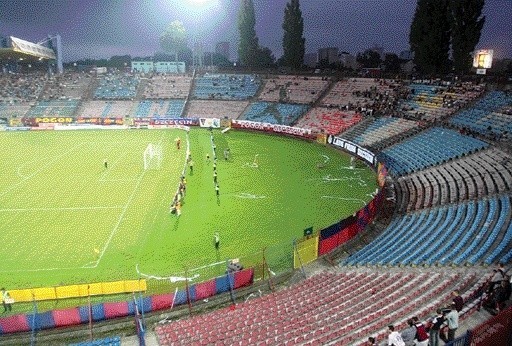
(311, 59)
(348, 60)
(329, 55)
(222, 48)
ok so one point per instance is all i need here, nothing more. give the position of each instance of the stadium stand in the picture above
(117, 87)
(383, 129)
(366, 95)
(274, 113)
(225, 86)
(293, 89)
(429, 148)
(70, 85)
(435, 101)
(330, 306)
(457, 234)
(104, 109)
(160, 108)
(331, 121)
(216, 109)
(490, 116)
(53, 108)
(19, 88)
(166, 86)
(474, 176)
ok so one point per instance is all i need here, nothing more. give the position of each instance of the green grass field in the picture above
(58, 203)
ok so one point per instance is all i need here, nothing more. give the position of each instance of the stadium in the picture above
(171, 203)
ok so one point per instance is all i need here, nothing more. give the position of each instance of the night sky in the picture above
(102, 28)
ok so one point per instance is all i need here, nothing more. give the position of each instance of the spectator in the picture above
(452, 318)
(435, 328)
(394, 338)
(421, 336)
(409, 333)
(501, 295)
(498, 275)
(458, 301)
(371, 341)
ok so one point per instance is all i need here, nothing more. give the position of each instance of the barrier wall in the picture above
(77, 291)
(105, 311)
(306, 251)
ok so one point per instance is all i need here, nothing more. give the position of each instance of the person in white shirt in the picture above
(453, 322)
(394, 338)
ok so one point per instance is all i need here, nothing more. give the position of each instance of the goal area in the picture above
(152, 156)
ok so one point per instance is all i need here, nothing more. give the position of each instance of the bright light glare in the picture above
(202, 2)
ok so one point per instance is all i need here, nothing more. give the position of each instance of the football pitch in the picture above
(65, 218)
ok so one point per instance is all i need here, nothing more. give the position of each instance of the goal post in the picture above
(152, 156)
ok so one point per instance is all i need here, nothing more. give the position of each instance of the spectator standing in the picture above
(394, 338)
(421, 336)
(435, 327)
(409, 333)
(498, 275)
(458, 301)
(453, 322)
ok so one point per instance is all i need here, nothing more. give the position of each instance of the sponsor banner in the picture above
(365, 155)
(35, 121)
(18, 128)
(166, 121)
(180, 127)
(62, 127)
(100, 121)
(209, 122)
(361, 152)
(267, 127)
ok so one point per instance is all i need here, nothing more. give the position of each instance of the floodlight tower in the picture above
(55, 43)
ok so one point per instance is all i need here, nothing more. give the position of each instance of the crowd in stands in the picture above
(19, 88)
(69, 85)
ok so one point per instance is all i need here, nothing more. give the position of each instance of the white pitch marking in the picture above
(60, 209)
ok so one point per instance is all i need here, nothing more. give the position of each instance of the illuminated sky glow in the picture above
(102, 28)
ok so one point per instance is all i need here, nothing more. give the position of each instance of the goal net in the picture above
(152, 156)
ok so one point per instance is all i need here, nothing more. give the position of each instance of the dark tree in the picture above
(430, 36)
(391, 62)
(466, 24)
(369, 59)
(264, 57)
(248, 46)
(293, 41)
